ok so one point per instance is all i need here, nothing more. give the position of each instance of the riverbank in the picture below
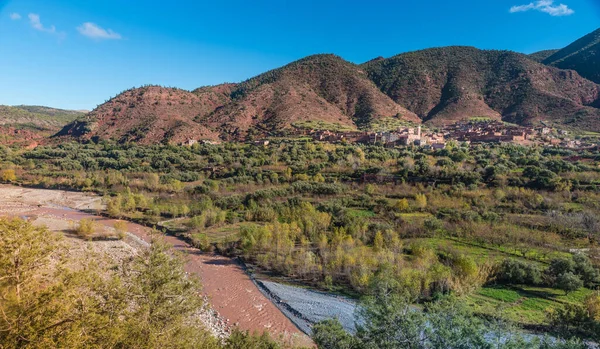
(234, 300)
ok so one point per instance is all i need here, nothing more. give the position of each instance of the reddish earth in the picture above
(11, 136)
(148, 115)
(230, 291)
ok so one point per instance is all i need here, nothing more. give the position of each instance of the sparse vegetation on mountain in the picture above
(439, 86)
(443, 85)
(36, 117)
(540, 56)
(583, 56)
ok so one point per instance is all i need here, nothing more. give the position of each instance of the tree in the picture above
(330, 334)
(559, 266)
(586, 270)
(113, 206)
(37, 305)
(514, 271)
(421, 201)
(568, 282)
(150, 303)
(591, 224)
(166, 297)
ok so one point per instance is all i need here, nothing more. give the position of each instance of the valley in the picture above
(442, 198)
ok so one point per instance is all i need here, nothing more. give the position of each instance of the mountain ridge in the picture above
(444, 85)
(436, 86)
(583, 56)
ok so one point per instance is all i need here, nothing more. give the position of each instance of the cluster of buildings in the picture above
(408, 136)
(491, 132)
(464, 132)
(402, 136)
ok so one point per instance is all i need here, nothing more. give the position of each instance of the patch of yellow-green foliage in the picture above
(324, 126)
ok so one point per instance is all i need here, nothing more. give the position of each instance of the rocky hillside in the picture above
(582, 56)
(147, 115)
(443, 85)
(317, 88)
(322, 88)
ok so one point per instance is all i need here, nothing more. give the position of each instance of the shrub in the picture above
(200, 241)
(120, 229)
(568, 282)
(8, 175)
(514, 271)
(86, 229)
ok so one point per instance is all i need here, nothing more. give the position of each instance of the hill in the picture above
(26, 124)
(540, 56)
(322, 88)
(147, 115)
(582, 56)
(36, 117)
(443, 85)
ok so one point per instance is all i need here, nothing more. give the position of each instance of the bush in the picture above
(86, 229)
(120, 229)
(200, 241)
(568, 282)
(8, 175)
(512, 271)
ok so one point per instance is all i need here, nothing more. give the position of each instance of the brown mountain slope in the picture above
(148, 115)
(443, 85)
(320, 88)
(582, 56)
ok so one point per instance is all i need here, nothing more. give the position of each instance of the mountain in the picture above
(148, 115)
(582, 56)
(438, 86)
(322, 88)
(443, 85)
(540, 56)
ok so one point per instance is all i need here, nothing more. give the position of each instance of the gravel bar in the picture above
(306, 307)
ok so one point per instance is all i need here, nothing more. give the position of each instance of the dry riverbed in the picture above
(232, 297)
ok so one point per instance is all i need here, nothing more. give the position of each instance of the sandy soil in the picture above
(234, 299)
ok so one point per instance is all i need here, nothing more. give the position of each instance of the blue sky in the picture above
(77, 54)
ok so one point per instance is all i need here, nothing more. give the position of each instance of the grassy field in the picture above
(525, 305)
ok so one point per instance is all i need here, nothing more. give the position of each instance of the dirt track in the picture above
(231, 293)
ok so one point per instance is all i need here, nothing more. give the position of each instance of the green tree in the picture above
(330, 334)
(569, 282)
(166, 297)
